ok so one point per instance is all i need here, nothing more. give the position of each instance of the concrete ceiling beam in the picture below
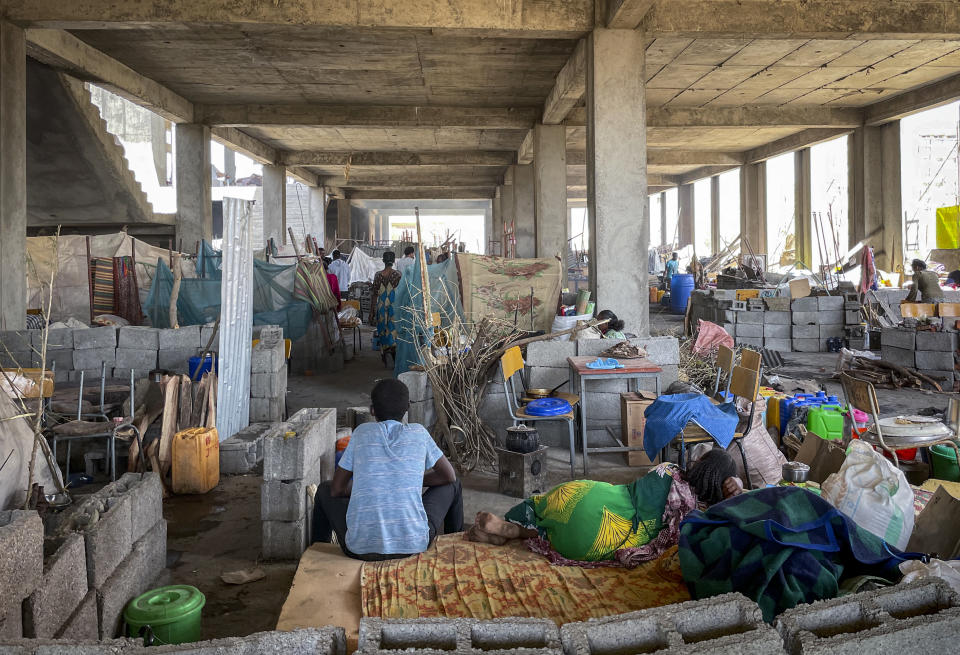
(803, 139)
(415, 193)
(407, 180)
(525, 154)
(623, 14)
(258, 151)
(367, 116)
(397, 158)
(926, 97)
(66, 53)
(526, 18)
(579, 181)
(859, 19)
(703, 173)
(569, 88)
(748, 116)
(674, 158)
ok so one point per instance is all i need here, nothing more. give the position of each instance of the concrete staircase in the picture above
(77, 173)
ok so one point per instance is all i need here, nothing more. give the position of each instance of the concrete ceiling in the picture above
(315, 83)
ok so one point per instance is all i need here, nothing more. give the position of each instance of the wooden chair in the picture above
(725, 359)
(353, 326)
(512, 363)
(863, 396)
(751, 359)
(744, 383)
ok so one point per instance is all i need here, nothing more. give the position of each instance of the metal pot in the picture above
(951, 417)
(538, 393)
(522, 439)
(795, 472)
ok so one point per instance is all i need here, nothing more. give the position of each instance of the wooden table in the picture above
(633, 369)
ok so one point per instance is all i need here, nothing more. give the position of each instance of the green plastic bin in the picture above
(171, 614)
(944, 463)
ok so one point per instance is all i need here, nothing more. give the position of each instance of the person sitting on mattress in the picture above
(591, 521)
(374, 503)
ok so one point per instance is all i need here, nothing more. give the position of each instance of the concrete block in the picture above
(542, 377)
(727, 315)
(778, 304)
(729, 623)
(777, 331)
(329, 640)
(205, 334)
(830, 331)
(752, 342)
(21, 533)
(805, 318)
(750, 330)
(82, 625)
(418, 385)
(16, 340)
(780, 345)
(244, 450)
(130, 579)
(57, 339)
(141, 360)
(57, 360)
(124, 373)
(105, 522)
(425, 414)
(899, 338)
(776, 318)
(268, 385)
(942, 341)
(177, 361)
(928, 360)
(664, 351)
(670, 374)
(808, 304)
(523, 635)
(806, 345)
(550, 353)
(146, 498)
(284, 540)
(265, 358)
(182, 338)
(270, 335)
(94, 338)
(898, 356)
(61, 590)
(294, 458)
(602, 406)
(730, 328)
(11, 626)
(16, 358)
(851, 316)
(945, 378)
(93, 358)
(266, 409)
(829, 303)
(831, 317)
(90, 376)
(138, 338)
(806, 332)
(593, 347)
(283, 501)
(750, 317)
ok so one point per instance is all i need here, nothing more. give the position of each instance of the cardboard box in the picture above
(823, 457)
(632, 421)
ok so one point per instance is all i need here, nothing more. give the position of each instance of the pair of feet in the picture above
(491, 529)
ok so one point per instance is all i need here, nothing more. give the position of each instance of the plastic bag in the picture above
(561, 323)
(874, 493)
(935, 568)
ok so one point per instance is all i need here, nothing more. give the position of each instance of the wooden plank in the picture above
(185, 404)
(171, 388)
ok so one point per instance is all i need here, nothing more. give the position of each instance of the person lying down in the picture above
(593, 521)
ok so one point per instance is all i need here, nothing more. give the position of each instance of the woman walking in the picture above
(382, 312)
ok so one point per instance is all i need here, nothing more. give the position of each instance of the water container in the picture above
(195, 467)
(681, 286)
(208, 363)
(168, 615)
(826, 422)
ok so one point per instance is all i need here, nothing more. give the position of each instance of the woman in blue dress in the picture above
(385, 285)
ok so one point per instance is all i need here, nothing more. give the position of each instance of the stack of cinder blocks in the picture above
(715, 306)
(268, 377)
(243, 451)
(832, 318)
(462, 636)
(137, 351)
(898, 346)
(292, 463)
(806, 325)
(730, 623)
(100, 554)
(919, 617)
(935, 356)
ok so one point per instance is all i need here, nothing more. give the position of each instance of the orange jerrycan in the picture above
(196, 461)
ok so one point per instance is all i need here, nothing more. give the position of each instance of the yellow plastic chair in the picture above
(512, 363)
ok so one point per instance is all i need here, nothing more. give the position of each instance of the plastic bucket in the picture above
(681, 286)
(205, 367)
(168, 615)
(944, 463)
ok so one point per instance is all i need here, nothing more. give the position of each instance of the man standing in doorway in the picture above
(341, 269)
(672, 268)
(406, 261)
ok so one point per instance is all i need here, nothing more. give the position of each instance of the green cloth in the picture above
(927, 283)
(589, 521)
(614, 334)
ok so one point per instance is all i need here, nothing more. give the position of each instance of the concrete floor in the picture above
(220, 531)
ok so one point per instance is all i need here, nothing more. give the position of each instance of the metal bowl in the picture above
(795, 472)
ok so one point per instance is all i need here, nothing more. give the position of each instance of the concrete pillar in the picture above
(317, 203)
(524, 210)
(803, 227)
(496, 229)
(714, 214)
(343, 219)
(275, 203)
(159, 147)
(359, 226)
(229, 166)
(685, 203)
(617, 174)
(507, 210)
(194, 201)
(876, 214)
(487, 228)
(385, 227)
(550, 190)
(664, 237)
(753, 206)
(13, 178)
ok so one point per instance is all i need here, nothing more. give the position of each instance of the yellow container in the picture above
(773, 410)
(746, 294)
(660, 294)
(948, 227)
(195, 468)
